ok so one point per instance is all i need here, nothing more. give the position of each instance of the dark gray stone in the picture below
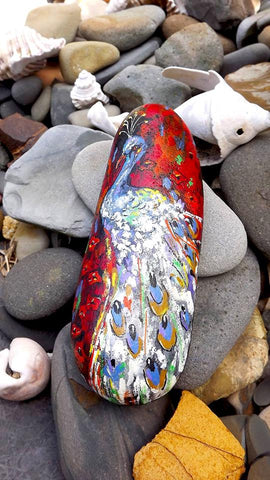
(28, 447)
(265, 5)
(41, 283)
(260, 470)
(196, 46)
(10, 107)
(142, 84)
(252, 54)
(263, 21)
(257, 438)
(132, 57)
(236, 424)
(39, 187)
(26, 90)
(61, 104)
(248, 30)
(4, 157)
(5, 93)
(219, 13)
(223, 308)
(245, 179)
(2, 181)
(261, 395)
(97, 439)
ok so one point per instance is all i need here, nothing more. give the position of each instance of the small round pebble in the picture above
(262, 393)
(41, 283)
(26, 90)
(9, 107)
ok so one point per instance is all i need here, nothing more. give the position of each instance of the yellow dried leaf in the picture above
(194, 445)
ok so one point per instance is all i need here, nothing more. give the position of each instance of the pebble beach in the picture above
(70, 74)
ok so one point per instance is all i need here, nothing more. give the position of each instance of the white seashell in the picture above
(87, 91)
(219, 115)
(31, 366)
(24, 51)
(99, 117)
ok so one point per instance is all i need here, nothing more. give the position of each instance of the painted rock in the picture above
(135, 298)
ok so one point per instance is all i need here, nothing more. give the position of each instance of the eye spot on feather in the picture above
(240, 131)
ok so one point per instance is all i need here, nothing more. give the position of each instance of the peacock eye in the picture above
(150, 364)
(240, 131)
(175, 224)
(113, 362)
(183, 308)
(164, 321)
(153, 280)
(132, 331)
(117, 306)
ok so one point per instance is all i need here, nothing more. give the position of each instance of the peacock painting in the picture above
(134, 303)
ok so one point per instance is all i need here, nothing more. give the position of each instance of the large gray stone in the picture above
(142, 84)
(125, 29)
(224, 240)
(196, 46)
(39, 187)
(132, 57)
(96, 438)
(245, 180)
(41, 283)
(28, 447)
(88, 172)
(61, 104)
(223, 308)
(248, 29)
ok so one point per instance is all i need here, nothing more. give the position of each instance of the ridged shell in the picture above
(24, 51)
(87, 91)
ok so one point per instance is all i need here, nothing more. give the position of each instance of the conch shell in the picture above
(87, 91)
(24, 370)
(219, 115)
(99, 117)
(24, 51)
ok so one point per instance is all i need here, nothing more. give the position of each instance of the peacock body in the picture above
(135, 298)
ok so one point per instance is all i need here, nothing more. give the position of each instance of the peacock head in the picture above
(134, 148)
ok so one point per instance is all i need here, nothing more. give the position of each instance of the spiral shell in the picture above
(24, 51)
(87, 91)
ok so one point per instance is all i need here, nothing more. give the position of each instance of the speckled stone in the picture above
(196, 46)
(141, 84)
(41, 283)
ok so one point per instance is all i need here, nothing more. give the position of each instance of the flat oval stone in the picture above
(135, 297)
(26, 90)
(257, 438)
(260, 470)
(41, 283)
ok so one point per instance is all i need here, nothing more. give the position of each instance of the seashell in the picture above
(24, 370)
(24, 51)
(171, 7)
(87, 91)
(219, 115)
(99, 117)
